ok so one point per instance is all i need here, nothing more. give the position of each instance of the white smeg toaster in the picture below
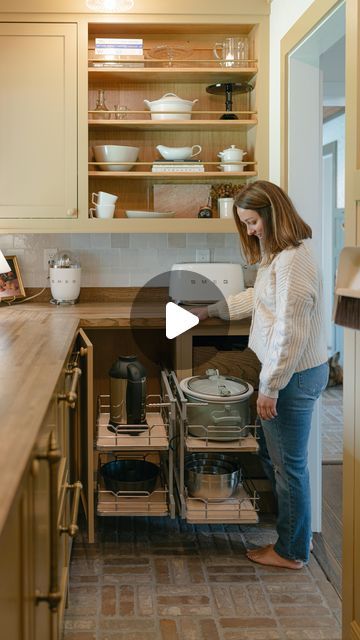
(205, 282)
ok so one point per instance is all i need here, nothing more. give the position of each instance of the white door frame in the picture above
(301, 164)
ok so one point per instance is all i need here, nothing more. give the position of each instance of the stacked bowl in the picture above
(211, 475)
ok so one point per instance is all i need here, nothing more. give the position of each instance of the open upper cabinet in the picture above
(51, 189)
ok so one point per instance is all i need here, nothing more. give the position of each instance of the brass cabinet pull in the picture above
(71, 396)
(73, 527)
(52, 456)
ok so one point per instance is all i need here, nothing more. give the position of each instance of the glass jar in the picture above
(101, 107)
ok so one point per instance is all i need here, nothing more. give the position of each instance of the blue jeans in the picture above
(284, 455)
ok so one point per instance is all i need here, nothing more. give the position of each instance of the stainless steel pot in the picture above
(226, 411)
(212, 481)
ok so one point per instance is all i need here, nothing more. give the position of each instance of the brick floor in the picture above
(161, 579)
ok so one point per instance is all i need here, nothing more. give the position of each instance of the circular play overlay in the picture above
(184, 288)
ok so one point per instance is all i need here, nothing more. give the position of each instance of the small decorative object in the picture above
(101, 107)
(205, 212)
(224, 190)
(229, 88)
(120, 111)
(11, 286)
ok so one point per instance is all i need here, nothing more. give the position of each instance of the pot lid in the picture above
(216, 387)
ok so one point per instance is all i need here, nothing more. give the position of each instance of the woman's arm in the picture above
(234, 308)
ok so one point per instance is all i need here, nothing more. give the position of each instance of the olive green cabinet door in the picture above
(38, 121)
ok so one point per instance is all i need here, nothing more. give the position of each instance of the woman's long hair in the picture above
(283, 227)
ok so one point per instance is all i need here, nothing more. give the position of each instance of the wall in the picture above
(120, 260)
(334, 131)
(283, 15)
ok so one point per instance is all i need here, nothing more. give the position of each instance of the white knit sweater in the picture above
(287, 330)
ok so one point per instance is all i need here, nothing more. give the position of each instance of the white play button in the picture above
(178, 320)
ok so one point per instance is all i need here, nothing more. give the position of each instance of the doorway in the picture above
(315, 106)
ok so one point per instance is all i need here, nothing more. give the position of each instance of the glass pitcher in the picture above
(232, 52)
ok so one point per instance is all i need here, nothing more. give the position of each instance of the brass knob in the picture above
(71, 213)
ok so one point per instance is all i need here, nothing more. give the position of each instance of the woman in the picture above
(288, 336)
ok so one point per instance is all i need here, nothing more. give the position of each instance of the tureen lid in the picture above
(233, 146)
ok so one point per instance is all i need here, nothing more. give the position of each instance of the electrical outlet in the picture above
(202, 255)
(48, 255)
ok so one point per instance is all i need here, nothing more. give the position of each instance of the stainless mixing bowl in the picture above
(212, 480)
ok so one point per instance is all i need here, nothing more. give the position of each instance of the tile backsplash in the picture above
(119, 260)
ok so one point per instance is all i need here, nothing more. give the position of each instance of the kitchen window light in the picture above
(110, 6)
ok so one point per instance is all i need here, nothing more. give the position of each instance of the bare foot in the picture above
(268, 556)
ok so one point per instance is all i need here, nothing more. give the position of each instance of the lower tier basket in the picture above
(241, 508)
(133, 503)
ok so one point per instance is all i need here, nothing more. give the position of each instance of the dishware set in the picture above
(232, 51)
(108, 156)
(232, 155)
(104, 205)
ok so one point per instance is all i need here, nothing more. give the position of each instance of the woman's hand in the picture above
(200, 312)
(266, 407)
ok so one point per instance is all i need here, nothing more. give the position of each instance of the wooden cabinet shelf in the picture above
(171, 74)
(176, 125)
(187, 75)
(172, 175)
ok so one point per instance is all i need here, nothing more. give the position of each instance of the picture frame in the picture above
(11, 285)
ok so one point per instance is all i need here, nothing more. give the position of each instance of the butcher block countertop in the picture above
(34, 342)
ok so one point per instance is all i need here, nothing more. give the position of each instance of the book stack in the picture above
(177, 167)
(119, 51)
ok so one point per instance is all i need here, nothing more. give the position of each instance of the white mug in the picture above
(103, 198)
(102, 211)
(226, 207)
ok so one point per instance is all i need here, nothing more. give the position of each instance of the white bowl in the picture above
(115, 152)
(149, 214)
(232, 167)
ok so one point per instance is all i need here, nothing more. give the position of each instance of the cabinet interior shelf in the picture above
(173, 175)
(177, 125)
(168, 74)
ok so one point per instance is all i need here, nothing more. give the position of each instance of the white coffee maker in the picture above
(65, 276)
